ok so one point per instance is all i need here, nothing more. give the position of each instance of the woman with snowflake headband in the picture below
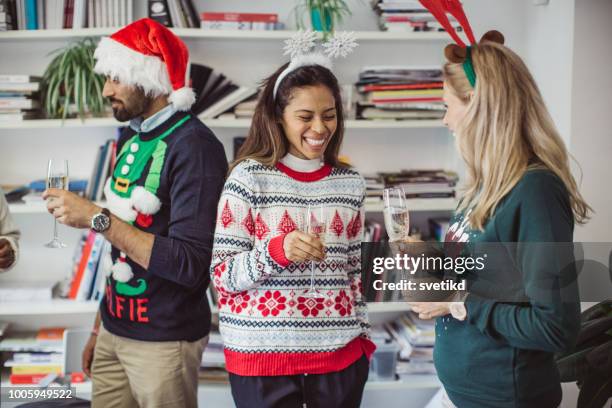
(491, 350)
(285, 344)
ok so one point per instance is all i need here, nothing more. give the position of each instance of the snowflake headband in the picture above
(301, 48)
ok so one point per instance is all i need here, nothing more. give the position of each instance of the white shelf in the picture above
(54, 307)
(212, 123)
(196, 33)
(419, 204)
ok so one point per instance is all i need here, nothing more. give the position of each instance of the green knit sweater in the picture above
(502, 354)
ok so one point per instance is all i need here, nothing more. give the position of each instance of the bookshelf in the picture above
(372, 145)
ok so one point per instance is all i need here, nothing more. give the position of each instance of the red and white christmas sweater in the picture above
(268, 327)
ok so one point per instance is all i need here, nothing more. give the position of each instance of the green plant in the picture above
(324, 15)
(70, 83)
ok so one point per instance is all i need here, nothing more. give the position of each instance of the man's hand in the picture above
(69, 208)
(430, 310)
(88, 353)
(7, 255)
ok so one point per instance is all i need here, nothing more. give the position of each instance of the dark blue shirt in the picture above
(173, 305)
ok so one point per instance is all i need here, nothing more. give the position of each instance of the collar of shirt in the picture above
(139, 125)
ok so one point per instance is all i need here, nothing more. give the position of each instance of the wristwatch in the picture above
(101, 221)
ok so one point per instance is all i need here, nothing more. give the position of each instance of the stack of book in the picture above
(19, 97)
(423, 183)
(216, 94)
(240, 21)
(375, 184)
(407, 15)
(246, 109)
(34, 355)
(174, 13)
(90, 267)
(416, 339)
(59, 14)
(400, 93)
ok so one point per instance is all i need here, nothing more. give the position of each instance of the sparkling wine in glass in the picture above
(316, 226)
(57, 177)
(396, 215)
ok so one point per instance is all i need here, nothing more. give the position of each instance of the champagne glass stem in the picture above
(55, 237)
(312, 276)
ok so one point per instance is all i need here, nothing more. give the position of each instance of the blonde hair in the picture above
(506, 131)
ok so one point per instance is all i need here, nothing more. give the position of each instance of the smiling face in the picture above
(456, 109)
(310, 121)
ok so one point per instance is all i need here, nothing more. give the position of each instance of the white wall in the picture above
(549, 36)
(591, 140)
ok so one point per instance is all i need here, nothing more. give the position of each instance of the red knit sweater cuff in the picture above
(277, 252)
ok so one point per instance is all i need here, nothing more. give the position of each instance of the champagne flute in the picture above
(316, 226)
(57, 177)
(397, 218)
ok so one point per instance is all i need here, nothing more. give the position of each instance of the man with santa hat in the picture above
(161, 203)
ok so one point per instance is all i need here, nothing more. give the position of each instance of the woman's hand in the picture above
(430, 310)
(408, 246)
(300, 246)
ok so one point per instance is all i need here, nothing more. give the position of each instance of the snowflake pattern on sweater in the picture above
(268, 327)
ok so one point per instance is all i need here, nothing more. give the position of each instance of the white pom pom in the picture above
(144, 201)
(300, 43)
(340, 45)
(182, 98)
(122, 271)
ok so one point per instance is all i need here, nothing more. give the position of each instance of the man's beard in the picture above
(132, 107)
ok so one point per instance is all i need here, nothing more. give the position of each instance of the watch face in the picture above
(101, 223)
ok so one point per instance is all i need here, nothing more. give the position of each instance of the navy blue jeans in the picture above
(341, 389)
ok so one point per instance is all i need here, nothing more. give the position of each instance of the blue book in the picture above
(31, 15)
(99, 180)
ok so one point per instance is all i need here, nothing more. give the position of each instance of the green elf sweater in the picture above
(502, 355)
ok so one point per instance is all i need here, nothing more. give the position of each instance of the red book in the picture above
(78, 277)
(246, 17)
(68, 11)
(26, 378)
(400, 100)
(398, 87)
(113, 157)
(50, 333)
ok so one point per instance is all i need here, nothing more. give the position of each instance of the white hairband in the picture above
(301, 46)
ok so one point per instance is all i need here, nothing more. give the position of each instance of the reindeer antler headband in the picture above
(302, 45)
(459, 52)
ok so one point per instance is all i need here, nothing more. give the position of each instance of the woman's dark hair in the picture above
(266, 141)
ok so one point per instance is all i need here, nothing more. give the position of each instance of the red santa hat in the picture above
(147, 54)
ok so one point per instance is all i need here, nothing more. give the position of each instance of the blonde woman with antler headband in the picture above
(492, 350)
